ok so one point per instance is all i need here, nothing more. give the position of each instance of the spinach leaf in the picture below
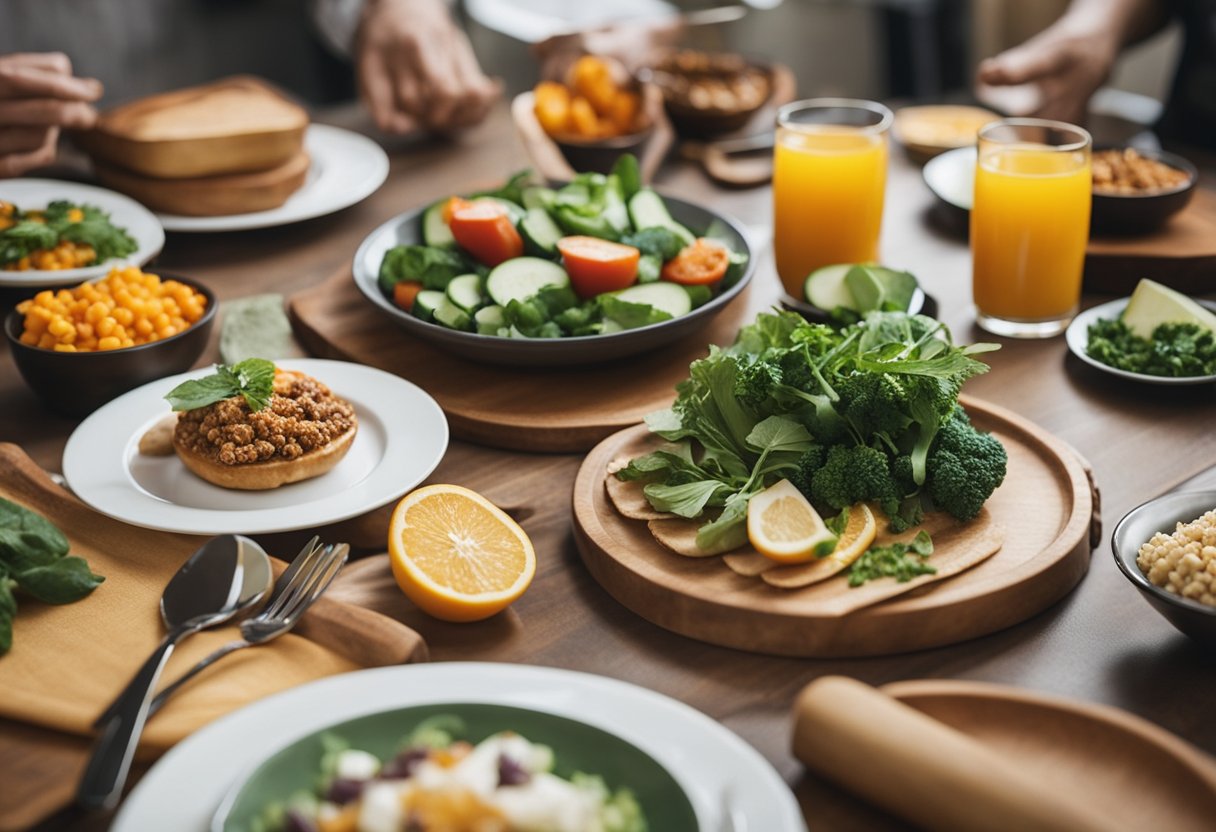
(631, 315)
(8, 611)
(59, 582)
(687, 499)
(433, 267)
(27, 539)
(657, 241)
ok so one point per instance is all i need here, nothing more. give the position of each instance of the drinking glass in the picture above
(1029, 226)
(829, 178)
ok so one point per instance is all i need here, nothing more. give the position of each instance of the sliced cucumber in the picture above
(489, 320)
(427, 302)
(647, 210)
(517, 212)
(650, 268)
(522, 277)
(540, 232)
(825, 287)
(539, 197)
(435, 231)
(452, 316)
(465, 292)
(666, 297)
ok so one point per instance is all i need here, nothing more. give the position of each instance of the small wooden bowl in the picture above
(1142, 213)
(713, 121)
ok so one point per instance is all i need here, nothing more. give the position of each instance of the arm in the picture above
(38, 96)
(1073, 57)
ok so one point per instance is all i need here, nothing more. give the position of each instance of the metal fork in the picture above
(309, 575)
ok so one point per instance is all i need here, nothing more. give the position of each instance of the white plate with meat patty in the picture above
(402, 436)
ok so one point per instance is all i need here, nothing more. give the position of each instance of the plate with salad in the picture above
(532, 275)
(621, 753)
(55, 233)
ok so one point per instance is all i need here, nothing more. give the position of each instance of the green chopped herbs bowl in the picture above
(531, 276)
(463, 764)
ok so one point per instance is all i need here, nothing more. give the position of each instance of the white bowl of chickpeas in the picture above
(78, 348)
(1167, 549)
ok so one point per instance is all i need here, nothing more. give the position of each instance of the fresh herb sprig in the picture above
(34, 559)
(1175, 349)
(901, 561)
(252, 378)
(30, 234)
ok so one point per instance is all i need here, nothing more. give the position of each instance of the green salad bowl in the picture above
(576, 746)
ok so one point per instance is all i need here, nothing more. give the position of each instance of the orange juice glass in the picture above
(1029, 226)
(829, 178)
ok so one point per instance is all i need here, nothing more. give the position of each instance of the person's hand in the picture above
(38, 96)
(417, 69)
(1065, 62)
(633, 44)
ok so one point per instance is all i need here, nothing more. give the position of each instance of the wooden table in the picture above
(1102, 643)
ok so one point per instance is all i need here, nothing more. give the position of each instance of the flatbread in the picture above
(680, 536)
(629, 501)
(748, 562)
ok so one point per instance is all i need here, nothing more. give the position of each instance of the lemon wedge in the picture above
(783, 526)
(1152, 304)
(857, 536)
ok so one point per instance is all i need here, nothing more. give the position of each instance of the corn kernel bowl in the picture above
(1195, 619)
(77, 383)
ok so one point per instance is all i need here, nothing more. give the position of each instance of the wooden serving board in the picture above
(1181, 255)
(565, 409)
(42, 764)
(1047, 507)
(1139, 775)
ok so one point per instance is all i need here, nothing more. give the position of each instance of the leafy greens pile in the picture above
(35, 231)
(34, 558)
(1175, 350)
(866, 413)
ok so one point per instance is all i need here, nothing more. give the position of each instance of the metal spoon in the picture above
(224, 578)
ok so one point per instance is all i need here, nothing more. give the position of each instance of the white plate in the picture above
(36, 194)
(952, 177)
(346, 168)
(1077, 336)
(401, 438)
(183, 790)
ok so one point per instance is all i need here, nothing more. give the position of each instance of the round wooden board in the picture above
(1046, 506)
(564, 409)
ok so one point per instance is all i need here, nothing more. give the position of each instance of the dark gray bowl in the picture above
(1129, 214)
(405, 229)
(1160, 515)
(77, 383)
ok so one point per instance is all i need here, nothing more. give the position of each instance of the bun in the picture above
(235, 125)
(303, 432)
(260, 476)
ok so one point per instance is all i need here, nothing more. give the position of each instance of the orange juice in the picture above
(1029, 228)
(828, 185)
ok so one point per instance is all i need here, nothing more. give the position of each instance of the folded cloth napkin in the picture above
(68, 662)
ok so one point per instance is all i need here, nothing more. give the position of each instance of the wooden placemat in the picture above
(566, 409)
(42, 763)
(701, 598)
(1181, 255)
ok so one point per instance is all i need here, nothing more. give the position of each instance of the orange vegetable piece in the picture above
(583, 120)
(450, 207)
(624, 112)
(596, 266)
(405, 293)
(484, 229)
(552, 106)
(703, 262)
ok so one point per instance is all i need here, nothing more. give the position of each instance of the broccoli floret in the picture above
(810, 462)
(964, 467)
(755, 382)
(874, 403)
(851, 474)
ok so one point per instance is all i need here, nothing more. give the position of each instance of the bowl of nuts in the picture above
(710, 94)
(1167, 549)
(78, 348)
(1136, 191)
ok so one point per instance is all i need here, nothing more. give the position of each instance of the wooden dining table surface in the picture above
(1101, 643)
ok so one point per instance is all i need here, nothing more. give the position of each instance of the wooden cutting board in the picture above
(1181, 255)
(1139, 775)
(41, 764)
(543, 409)
(701, 598)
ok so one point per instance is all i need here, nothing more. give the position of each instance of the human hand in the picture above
(632, 44)
(417, 69)
(1066, 64)
(38, 96)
